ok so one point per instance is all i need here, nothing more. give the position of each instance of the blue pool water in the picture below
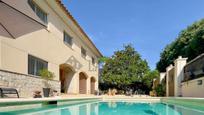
(110, 108)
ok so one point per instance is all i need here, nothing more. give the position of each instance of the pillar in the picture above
(167, 79)
(179, 64)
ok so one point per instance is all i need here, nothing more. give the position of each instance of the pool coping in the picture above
(132, 99)
(187, 98)
(15, 100)
(41, 100)
(23, 101)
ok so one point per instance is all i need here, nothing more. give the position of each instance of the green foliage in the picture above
(103, 59)
(190, 43)
(46, 75)
(125, 67)
(149, 77)
(160, 90)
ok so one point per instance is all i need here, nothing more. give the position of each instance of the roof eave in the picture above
(79, 27)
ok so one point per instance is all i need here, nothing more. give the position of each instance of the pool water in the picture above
(110, 108)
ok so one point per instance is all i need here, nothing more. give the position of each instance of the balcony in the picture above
(194, 69)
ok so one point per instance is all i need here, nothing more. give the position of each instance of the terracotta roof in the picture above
(75, 22)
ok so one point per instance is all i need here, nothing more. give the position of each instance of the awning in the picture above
(16, 23)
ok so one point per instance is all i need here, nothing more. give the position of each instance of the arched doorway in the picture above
(82, 83)
(66, 75)
(92, 85)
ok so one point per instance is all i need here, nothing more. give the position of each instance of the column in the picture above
(179, 74)
(167, 79)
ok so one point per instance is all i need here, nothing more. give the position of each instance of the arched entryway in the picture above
(66, 75)
(82, 83)
(92, 85)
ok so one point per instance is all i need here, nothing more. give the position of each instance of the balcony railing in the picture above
(194, 69)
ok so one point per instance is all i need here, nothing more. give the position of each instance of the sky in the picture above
(149, 25)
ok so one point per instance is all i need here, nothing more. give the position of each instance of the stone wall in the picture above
(25, 84)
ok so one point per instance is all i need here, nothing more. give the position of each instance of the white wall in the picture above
(162, 76)
(179, 65)
(192, 89)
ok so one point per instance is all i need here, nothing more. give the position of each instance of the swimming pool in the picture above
(109, 108)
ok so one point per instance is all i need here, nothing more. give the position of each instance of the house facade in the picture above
(42, 34)
(185, 78)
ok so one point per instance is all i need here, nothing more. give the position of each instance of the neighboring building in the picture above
(37, 34)
(185, 79)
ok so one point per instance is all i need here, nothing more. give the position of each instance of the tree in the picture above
(190, 44)
(124, 68)
(149, 77)
(103, 59)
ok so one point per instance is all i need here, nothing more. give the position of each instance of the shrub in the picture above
(46, 75)
(160, 90)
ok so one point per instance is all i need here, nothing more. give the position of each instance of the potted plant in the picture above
(37, 94)
(46, 75)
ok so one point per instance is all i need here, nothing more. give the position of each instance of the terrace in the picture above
(194, 69)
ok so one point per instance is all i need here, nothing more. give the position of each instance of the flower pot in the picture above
(46, 92)
(37, 94)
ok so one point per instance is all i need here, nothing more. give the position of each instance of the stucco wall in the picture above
(46, 43)
(25, 84)
(192, 89)
(179, 65)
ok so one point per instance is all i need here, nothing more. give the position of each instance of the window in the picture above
(39, 12)
(35, 65)
(93, 60)
(83, 52)
(67, 39)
